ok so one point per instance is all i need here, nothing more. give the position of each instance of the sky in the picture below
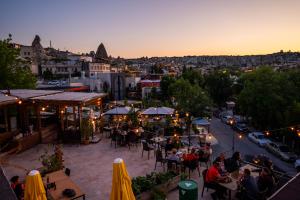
(135, 28)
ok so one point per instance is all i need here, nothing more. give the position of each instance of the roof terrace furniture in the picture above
(62, 182)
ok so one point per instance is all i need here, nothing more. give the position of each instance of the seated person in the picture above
(213, 177)
(173, 156)
(17, 187)
(191, 156)
(169, 146)
(234, 163)
(222, 169)
(265, 181)
(248, 186)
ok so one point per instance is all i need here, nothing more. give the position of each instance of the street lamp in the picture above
(188, 124)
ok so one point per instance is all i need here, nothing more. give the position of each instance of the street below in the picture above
(224, 135)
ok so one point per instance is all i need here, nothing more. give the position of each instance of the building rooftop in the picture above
(26, 93)
(76, 97)
(4, 100)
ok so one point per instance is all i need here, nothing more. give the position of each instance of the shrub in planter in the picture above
(142, 184)
(157, 194)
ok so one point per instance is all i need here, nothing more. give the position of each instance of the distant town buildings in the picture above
(133, 78)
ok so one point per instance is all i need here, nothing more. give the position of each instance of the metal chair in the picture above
(148, 148)
(159, 158)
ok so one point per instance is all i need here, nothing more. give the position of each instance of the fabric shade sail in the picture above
(158, 111)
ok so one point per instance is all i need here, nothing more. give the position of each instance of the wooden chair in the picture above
(204, 158)
(192, 165)
(131, 139)
(205, 184)
(148, 148)
(115, 138)
(159, 158)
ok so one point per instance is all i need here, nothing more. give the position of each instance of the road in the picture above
(224, 135)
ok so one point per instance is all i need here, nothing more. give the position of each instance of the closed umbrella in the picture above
(34, 188)
(121, 182)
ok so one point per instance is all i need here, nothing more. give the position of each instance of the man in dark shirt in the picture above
(249, 186)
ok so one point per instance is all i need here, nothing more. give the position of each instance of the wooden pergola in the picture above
(6, 101)
(76, 100)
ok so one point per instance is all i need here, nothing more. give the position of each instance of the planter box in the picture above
(166, 187)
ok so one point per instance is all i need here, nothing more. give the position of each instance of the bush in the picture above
(145, 183)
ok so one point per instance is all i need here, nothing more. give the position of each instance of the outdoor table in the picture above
(62, 182)
(233, 185)
(158, 140)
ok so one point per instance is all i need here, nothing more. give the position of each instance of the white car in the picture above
(258, 138)
(54, 82)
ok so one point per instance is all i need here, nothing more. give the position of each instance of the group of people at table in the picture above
(184, 156)
(252, 182)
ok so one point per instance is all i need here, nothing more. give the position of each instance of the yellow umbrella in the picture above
(34, 187)
(121, 182)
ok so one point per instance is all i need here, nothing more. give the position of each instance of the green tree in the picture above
(190, 98)
(13, 72)
(219, 86)
(47, 74)
(267, 97)
(165, 83)
(194, 77)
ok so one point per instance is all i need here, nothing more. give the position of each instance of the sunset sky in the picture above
(134, 28)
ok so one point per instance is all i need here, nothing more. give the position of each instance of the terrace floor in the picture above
(91, 166)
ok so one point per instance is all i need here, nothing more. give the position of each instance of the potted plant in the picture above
(53, 162)
(86, 129)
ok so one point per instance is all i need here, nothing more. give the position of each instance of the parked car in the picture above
(258, 138)
(297, 165)
(226, 119)
(240, 127)
(282, 151)
(54, 82)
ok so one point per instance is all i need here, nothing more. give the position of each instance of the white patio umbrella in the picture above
(119, 111)
(158, 111)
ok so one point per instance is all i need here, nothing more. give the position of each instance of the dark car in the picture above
(240, 127)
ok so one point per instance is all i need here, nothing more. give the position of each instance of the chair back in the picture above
(204, 172)
(145, 146)
(159, 156)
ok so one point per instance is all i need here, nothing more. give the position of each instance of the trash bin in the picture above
(188, 190)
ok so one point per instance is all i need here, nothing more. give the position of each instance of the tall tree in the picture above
(13, 72)
(190, 98)
(219, 86)
(267, 97)
(165, 83)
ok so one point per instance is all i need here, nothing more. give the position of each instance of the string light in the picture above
(267, 133)
(43, 108)
(292, 128)
(19, 102)
(240, 136)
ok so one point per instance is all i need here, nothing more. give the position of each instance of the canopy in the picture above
(34, 188)
(119, 111)
(158, 111)
(121, 182)
(201, 122)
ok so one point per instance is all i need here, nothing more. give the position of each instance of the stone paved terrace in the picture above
(91, 166)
